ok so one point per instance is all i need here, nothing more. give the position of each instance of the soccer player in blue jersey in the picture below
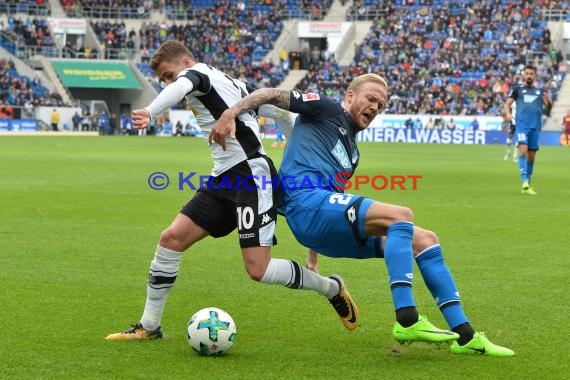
(530, 102)
(320, 156)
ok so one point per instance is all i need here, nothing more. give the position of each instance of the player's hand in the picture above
(312, 259)
(508, 118)
(141, 118)
(546, 99)
(225, 125)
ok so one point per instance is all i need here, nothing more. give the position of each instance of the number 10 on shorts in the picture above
(245, 218)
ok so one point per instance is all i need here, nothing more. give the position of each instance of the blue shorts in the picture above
(332, 223)
(527, 136)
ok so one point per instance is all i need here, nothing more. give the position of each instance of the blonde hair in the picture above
(366, 78)
(169, 50)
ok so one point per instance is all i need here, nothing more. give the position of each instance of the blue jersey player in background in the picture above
(530, 102)
(321, 150)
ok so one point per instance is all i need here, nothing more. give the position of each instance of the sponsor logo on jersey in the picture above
(342, 131)
(341, 155)
(296, 94)
(310, 96)
(529, 98)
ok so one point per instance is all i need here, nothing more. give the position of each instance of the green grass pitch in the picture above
(79, 225)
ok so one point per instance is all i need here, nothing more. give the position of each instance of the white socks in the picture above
(163, 272)
(292, 275)
(164, 269)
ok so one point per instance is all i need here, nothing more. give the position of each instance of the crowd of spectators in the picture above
(234, 39)
(372, 9)
(29, 33)
(459, 59)
(21, 90)
(116, 41)
(30, 7)
(190, 9)
(303, 9)
(123, 9)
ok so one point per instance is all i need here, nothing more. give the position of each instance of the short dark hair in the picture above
(530, 67)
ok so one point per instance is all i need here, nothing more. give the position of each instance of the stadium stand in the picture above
(448, 57)
(32, 8)
(25, 37)
(114, 9)
(20, 90)
(457, 57)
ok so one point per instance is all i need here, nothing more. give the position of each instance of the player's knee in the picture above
(404, 214)
(169, 239)
(423, 239)
(256, 261)
(255, 272)
(430, 238)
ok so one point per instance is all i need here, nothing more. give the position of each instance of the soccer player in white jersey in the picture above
(225, 203)
(321, 155)
(509, 127)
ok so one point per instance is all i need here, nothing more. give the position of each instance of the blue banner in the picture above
(18, 125)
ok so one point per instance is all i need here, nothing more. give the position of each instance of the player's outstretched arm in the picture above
(226, 123)
(168, 97)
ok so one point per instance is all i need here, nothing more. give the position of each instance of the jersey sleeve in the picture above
(200, 81)
(314, 106)
(169, 96)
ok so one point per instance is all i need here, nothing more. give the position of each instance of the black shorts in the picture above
(242, 197)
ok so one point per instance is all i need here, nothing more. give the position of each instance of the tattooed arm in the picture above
(275, 96)
(226, 123)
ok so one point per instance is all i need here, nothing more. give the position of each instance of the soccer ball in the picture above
(211, 331)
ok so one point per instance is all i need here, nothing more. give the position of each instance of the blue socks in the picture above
(529, 170)
(439, 281)
(399, 259)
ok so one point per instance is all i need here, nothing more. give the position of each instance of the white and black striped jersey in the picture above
(209, 92)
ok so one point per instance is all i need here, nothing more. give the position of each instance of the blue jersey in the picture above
(320, 156)
(322, 147)
(529, 107)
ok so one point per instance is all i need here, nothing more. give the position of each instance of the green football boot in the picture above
(526, 189)
(422, 331)
(481, 345)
